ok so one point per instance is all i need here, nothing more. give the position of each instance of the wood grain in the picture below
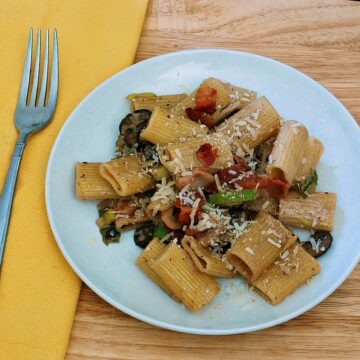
(320, 38)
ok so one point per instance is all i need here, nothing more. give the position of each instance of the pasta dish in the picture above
(213, 184)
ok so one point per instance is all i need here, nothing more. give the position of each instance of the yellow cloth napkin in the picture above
(38, 289)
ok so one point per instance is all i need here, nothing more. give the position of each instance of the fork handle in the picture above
(8, 194)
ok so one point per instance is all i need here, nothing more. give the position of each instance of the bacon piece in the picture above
(205, 100)
(185, 211)
(193, 114)
(205, 105)
(184, 215)
(277, 188)
(253, 182)
(179, 204)
(199, 178)
(197, 115)
(206, 154)
(207, 120)
(231, 172)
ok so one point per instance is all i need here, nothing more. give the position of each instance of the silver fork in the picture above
(32, 114)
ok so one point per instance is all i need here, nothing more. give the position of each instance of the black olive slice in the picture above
(318, 243)
(132, 125)
(144, 235)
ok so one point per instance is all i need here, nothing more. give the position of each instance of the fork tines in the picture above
(35, 96)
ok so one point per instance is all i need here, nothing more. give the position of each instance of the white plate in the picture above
(90, 134)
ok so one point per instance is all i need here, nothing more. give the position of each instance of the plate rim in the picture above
(136, 314)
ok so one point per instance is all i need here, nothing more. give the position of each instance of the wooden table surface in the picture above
(321, 39)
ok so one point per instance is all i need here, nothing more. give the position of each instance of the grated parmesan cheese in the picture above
(249, 250)
(239, 152)
(193, 212)
(227, 263)
(273, 242)
(248, 150)
(314, 223)
(272, 232)
(251, 131)
(296, 250)
(167, 237)
(178, 153)
(265, 205)
(253, 123)
(217, 182)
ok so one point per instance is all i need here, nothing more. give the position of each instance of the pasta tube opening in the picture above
(203, 258)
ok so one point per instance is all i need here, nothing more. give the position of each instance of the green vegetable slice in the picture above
(232, 197)
(309, 185)
(159, 232)
(109, 217)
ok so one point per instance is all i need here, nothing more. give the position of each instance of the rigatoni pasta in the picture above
(147, 257)
(165, 127)
(313, 151)
(257, 248)
(176, 269)
(90, 185)
(251, 126)
(292, 269)
(181, 156)
(126, 176)
(317, 211)
(287, 153)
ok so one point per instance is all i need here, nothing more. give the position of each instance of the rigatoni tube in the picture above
(90, 185)
(292, 269)
(164, 128)
(316, 212)
(147, 257)
(288, 151)
(313, 151)
(127, 176)
(258, 247)
(182, 155)
(176, 269)
(251, 126)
